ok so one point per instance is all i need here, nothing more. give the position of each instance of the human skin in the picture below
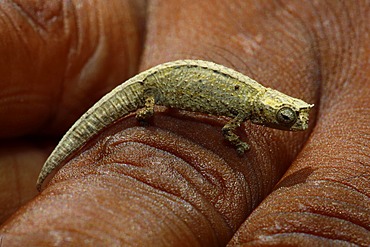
(175, 181)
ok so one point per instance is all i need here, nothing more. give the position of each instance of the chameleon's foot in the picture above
(242, 147)
(147, 111)
(234, 139)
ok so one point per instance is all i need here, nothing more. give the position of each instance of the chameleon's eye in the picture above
(286, 116)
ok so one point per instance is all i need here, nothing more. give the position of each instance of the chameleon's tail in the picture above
(122, 100)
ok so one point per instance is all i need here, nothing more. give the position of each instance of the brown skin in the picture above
(176, 182)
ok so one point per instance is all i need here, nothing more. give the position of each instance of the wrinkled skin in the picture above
(176, 182)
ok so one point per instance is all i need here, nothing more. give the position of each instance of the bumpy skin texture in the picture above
(177, 182)
(194, 85)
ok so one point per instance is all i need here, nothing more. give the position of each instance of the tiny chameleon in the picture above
(193, 85)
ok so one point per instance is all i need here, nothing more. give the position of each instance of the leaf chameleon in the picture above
(193, 85)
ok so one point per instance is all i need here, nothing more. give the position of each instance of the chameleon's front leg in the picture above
(234, 139)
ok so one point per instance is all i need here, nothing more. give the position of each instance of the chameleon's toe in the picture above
(143, 114)
(242, 147)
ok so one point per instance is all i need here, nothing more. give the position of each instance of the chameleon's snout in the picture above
(302, 119)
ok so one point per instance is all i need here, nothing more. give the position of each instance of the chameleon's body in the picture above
(192, 85)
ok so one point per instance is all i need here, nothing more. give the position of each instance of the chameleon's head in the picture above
(280, 111)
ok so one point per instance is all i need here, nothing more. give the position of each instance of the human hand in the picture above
(176, 182)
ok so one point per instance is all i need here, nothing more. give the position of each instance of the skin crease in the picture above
(176, 182)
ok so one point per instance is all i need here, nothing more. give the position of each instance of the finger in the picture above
(58, 59)
(323, 200)
(134, 178)
(84, 46)
(178, 174)
(215, 33)
(19, 166)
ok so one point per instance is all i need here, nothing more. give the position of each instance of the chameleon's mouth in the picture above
(302, 121)
(299, 125)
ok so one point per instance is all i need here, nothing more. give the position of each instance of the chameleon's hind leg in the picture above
(148, 110)
(230, 136)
